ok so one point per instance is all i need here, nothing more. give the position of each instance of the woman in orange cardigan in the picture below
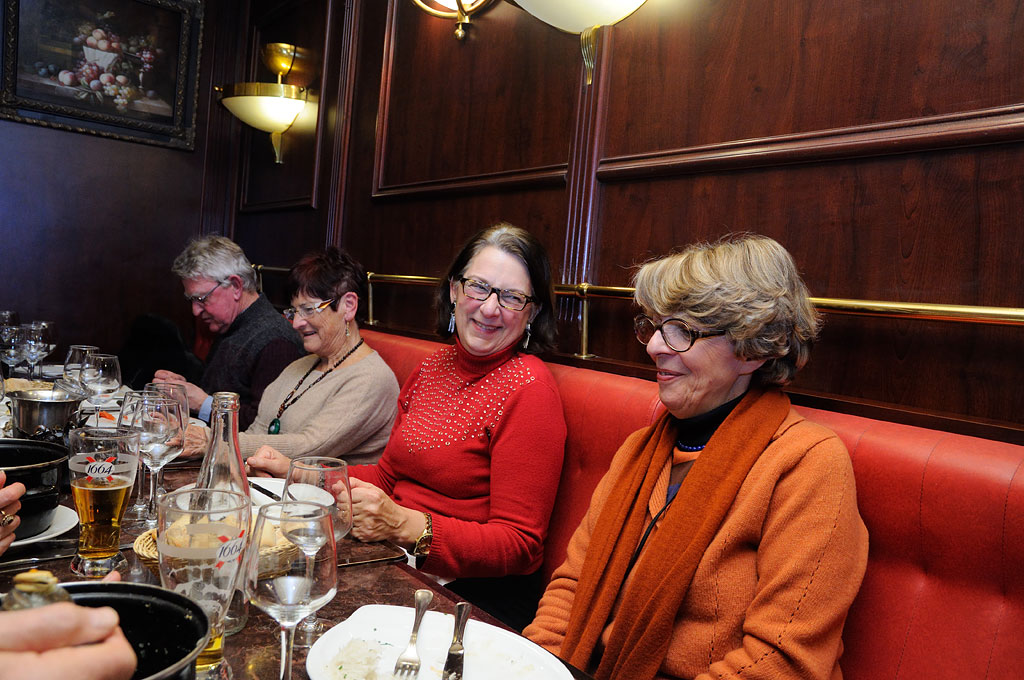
(725, 540)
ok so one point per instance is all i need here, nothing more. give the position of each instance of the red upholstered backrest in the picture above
(943, 596)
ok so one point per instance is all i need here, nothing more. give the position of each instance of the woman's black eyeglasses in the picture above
(512, 300)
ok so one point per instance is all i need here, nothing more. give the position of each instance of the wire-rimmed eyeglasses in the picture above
(308, 310)
(512, 300)
(676, 333)
(201, 299)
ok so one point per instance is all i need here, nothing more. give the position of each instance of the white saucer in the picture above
(64, 520)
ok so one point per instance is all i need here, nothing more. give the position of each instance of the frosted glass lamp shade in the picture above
(271, 107)
(575, 16)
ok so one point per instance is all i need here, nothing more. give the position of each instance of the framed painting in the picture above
(125, 69)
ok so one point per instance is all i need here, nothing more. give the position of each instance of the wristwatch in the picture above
(422, 546)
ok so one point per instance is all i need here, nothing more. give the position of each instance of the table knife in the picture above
(453, 664)
(264, 490)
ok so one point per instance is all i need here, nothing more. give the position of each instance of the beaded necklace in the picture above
(275, 424)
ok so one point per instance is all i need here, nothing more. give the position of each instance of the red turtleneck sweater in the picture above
(478, 443)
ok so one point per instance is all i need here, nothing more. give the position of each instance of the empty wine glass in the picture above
(302, 584)
(323, 480)
(48, 340)
(12, 346)
(177, 392)
(136, 513)
(100, 375)
(36, 346)
(161, 439)
(73, 362)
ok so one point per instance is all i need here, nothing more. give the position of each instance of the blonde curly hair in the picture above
(744, 284)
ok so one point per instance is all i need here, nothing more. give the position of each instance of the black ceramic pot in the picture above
(40, 466)
(166, 629)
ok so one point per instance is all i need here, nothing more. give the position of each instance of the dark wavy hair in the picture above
(326, 274)
(522, 244)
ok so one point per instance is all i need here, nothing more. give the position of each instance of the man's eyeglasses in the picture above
(201, 299)
(677, 334)
(512, 300)
(306, 311)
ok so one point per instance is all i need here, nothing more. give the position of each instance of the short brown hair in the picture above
(746, 285)
(327, 274)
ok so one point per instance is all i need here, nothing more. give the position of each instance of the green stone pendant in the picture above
(274, 427)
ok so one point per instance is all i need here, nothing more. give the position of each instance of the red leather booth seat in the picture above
(943, 596)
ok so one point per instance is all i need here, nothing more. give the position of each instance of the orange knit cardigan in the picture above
(770, 595)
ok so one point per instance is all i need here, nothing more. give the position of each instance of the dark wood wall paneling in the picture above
(285, 210)
(90, 225)
(880, 143)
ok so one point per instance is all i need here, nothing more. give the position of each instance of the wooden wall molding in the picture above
(525, 178)
(970, 128)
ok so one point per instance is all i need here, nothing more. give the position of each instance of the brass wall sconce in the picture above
(583, 17)
(459, 10)
(273, 107)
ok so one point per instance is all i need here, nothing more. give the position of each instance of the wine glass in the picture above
(302, 584)
(177, 392)
(47, 339)
(323, 480)
(161, 440)
(136, 513)
(73, 362)
(12, 346)
(9, 318)
(102, 465)
(201, 539)
(36, 346)
(100, 375)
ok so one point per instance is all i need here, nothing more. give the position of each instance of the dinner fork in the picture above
(408, 664)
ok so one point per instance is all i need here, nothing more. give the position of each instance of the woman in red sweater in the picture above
(468, 479)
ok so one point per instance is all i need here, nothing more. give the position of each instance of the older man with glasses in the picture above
(254, 342)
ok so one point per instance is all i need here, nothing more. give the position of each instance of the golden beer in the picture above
(212, 654)
(100, 503)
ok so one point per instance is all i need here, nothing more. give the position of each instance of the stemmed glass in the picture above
(47, 340)
(177, 392)
(201, 541)
(303, 584)
(12, 346)
(100, 375)
(73, 363)
(136, 514)
(323, 480)
(37, 346)
(161, 439)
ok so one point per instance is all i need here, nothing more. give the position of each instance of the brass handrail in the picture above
(1007, 316)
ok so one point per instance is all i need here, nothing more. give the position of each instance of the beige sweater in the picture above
(348, 414)
(770, 596)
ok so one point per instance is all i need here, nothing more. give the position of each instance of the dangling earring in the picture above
(346, 329)
(526, 340)
(451, 321)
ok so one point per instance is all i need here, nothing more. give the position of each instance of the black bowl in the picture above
(40, 467)
(167, 630)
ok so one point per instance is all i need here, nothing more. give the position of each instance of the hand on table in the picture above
(9, 507)
(196, 439)
(267, 462)
(375, 517)
(196, 395)
(64, 640)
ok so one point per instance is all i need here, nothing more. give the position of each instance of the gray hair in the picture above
(746, 285)
(216, 258)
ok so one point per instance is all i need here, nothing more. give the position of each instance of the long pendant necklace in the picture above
(275, 424)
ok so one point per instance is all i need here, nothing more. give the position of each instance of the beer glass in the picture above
(103, 465)
(201, 538)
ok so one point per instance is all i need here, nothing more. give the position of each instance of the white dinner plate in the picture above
(64, 519)
(490, 652)
(272, 484)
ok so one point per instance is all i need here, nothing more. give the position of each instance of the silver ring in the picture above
(5, 519)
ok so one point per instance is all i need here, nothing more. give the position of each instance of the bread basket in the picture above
(272, 558)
